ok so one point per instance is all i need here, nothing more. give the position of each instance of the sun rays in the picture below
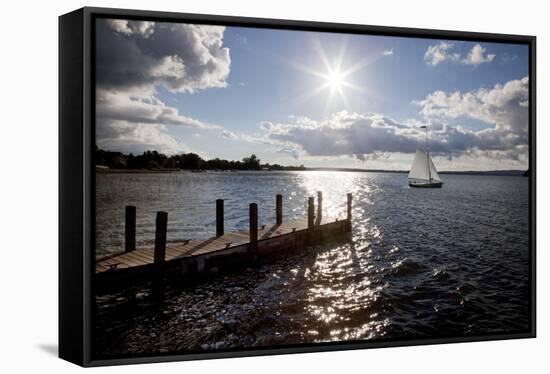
(335, 74)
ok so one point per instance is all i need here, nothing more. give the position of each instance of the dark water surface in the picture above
(421, 263)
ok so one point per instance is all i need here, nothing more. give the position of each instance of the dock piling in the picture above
(159, 256)
(160, 239)
(253, 228)
(310, 212)
(130, 229)
(219, 217)
(279, 209)
(319, 204)
(349, 211)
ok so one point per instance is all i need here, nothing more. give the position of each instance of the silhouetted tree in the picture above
(190, 161)
(251, 163)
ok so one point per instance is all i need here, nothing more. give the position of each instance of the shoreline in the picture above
(503, 173)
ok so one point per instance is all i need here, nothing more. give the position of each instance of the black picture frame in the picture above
(77, 181)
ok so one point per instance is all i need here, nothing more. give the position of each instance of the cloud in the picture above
(291, 151)
(344, 133)
(372, 135)
(478, 56)
(228, 135)
(440, 52)
(445, 51)
(136, 138)
(144, 108)
(143, 28)
(181, 57)
(505, 106)
(388, 52)
(265, 125)
(135, 58)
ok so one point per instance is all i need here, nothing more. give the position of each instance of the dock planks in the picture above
(191, 248)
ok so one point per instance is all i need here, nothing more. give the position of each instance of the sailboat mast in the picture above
(428, 153)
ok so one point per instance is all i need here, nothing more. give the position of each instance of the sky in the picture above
(311, 98)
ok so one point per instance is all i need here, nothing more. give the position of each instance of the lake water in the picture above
(421, 263)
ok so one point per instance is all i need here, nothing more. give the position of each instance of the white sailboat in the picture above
(423, 173)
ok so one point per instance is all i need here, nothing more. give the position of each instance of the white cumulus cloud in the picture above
(126, 27)
(182, 57)
(504, 105)
(478, 55)
(440, 52)
(140, 107)
(134, 58)
(372, 135)
(136, 138)
(446, 51)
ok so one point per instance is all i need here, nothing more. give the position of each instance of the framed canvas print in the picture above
(236, 186)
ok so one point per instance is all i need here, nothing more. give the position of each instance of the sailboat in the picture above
(423, 173)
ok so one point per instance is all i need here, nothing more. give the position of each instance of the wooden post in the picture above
(159, 256)
(310, 212)
(160, 239)
(319, 204)
(130, 229)
(253, 228)
(219, 217)
(279, 209)
(349, 211)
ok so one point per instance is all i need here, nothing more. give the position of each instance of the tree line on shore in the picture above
(154, 160)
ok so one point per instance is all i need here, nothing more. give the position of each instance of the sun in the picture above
(335, 80)
(336, 75)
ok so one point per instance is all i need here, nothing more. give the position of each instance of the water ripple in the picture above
(421, 263)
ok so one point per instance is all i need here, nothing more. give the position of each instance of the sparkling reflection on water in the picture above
(189, 199)
(421, 263)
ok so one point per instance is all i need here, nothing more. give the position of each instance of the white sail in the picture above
(433, 171)
(419, 169)
(423, 168)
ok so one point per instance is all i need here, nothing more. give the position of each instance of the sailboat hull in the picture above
(426, 185)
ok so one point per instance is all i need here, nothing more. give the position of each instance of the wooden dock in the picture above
(196, 257)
